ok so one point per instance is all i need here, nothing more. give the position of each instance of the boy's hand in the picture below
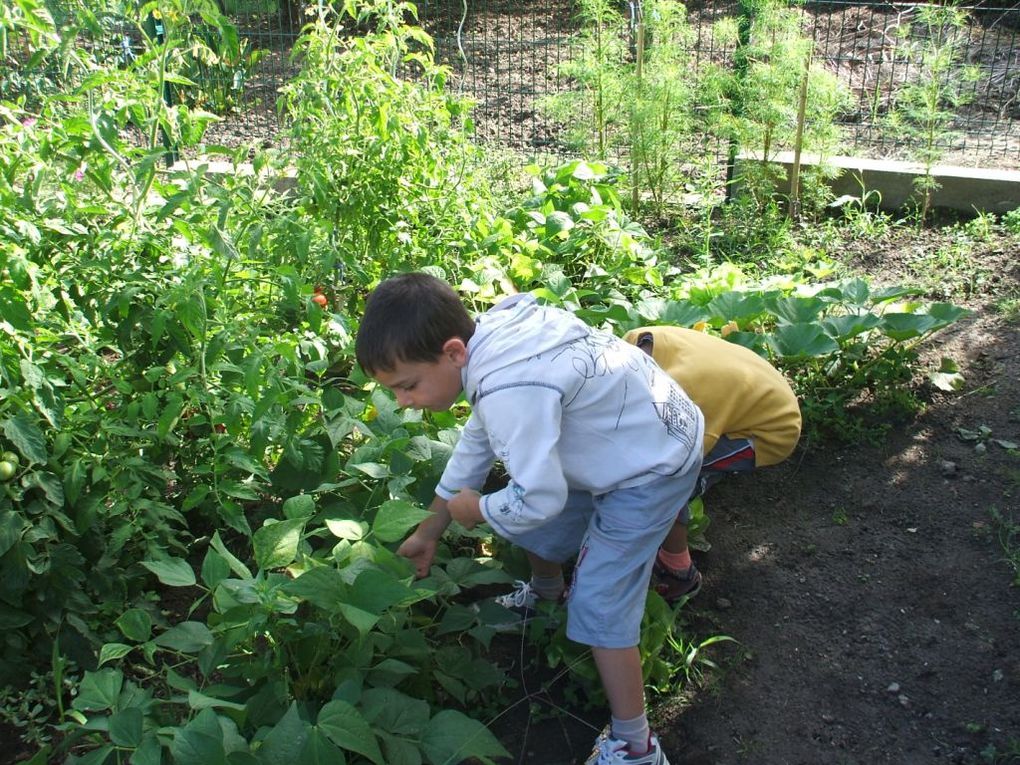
(465, 508)
(420, 549)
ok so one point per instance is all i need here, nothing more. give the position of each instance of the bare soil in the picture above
(875, 612)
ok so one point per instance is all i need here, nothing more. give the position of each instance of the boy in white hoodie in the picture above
(601, 447)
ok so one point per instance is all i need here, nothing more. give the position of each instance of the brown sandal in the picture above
(674, 585)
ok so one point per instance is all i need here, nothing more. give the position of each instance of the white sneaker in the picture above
(521, 598)
(612, 751)
(523, 604)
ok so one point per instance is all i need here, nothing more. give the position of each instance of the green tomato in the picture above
(11, 457)
(7, 470)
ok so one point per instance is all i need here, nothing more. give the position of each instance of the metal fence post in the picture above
(637, 31)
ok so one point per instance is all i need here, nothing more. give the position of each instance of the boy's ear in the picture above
(456, 351)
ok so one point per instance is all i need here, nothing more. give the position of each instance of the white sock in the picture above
(635, 732)
(548, 587)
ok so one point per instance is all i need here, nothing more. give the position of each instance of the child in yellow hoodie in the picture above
(752, 420)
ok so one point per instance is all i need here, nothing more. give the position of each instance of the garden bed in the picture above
(197, 330)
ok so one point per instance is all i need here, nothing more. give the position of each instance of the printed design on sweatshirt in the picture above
(513, 501)
(679, 416)
(595, 355)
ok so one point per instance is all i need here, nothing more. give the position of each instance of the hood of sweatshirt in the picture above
(514, 330)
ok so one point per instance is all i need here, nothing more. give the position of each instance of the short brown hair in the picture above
(409, 318)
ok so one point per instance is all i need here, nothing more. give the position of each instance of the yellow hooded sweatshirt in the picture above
(739, 392)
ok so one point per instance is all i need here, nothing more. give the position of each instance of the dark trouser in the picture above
(729, 455)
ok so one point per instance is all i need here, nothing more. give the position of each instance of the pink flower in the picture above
(79, 174)
(29, 122)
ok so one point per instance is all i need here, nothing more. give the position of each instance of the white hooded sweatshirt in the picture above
(565, 407)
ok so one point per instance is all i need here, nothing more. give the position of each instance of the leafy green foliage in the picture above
(770, 69)
(163, 371)
(1011, 221)
(592, 114)
(668, 110)
(1008, 535)
(335, 635)
(641, 99)
(199, 522)
(650, 104)
(849, 349)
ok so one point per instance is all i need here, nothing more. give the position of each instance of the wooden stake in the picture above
(799, 142)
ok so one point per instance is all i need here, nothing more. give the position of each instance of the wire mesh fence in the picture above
(271, 28)
(510, 56)
(867, 47)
